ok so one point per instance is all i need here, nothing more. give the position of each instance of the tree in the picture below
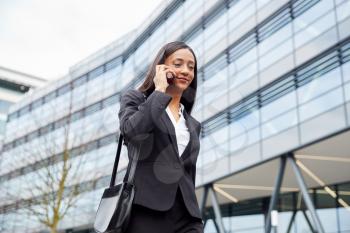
(50, 186)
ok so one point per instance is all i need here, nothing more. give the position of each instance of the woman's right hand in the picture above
(160, 80)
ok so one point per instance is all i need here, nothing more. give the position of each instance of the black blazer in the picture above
(160, 170)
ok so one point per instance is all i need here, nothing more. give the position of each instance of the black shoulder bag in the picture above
(113, 213)
(114, 210)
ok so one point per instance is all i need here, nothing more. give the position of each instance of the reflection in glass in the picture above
(278, 106)
(346, 72)
(315, 29)
(239, 12)
(277, 53)
(279, 123)
(343, 11)
(311, 15)
(319, 85)
(321, 104)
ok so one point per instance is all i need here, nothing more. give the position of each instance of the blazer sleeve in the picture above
(194, 166)
(137, 116)
(199, 129)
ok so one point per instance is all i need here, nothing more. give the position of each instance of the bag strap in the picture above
(134, 158)
(116, 161)
(129, 177)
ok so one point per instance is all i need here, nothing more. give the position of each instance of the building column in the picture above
(217, 212)
(300, 179)
(291, 221)
(308, 221)
(275, 195)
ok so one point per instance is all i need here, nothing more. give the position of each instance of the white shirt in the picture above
(181, 130)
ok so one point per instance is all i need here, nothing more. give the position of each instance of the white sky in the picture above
(46, 37)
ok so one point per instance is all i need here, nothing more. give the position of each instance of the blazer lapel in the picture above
(191, 128)
(172, 135)
(171, 130)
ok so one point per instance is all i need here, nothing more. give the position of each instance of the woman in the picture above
(156, 117)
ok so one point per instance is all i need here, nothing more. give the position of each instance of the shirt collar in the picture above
(181, 109)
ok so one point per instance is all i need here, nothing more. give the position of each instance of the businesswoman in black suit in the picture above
(156, 119)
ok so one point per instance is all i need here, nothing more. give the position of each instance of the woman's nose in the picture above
(185, 70)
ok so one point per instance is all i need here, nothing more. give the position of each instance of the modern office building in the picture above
(13, 86)
(274, 102)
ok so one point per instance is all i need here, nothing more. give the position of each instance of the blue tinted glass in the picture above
(343, 11)
(321, 104)
(214, 87)
(346, 71)
(240, 76)
(279, 123)
(276, 54)
(241, 141)
(96, 72)
(274, 40)
(308, 17)
(64, 89)
(261, 3)
(239, 12)
(175, 19)
(79, 81)
(247, 58)
(113, 63)
(4, 106)
(278, 106)
(315, 29)
(319, 86)
(347, 91)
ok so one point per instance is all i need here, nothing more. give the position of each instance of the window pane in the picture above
(275, 39)
(276, 54)
(315, 29)
(346, 72)
(239, 12)
(311, 15)
(279, 123)
(321, 104)
(278, 106)
(319, 86)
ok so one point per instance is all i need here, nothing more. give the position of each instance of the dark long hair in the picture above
(189, 95)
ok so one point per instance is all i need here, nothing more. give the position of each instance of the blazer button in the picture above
(177, 165)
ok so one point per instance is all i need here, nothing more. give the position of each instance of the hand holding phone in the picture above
(170, 77)
(163, 72)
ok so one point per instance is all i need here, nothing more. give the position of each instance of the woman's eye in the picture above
(177, 65)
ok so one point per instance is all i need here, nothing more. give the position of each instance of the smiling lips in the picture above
(184, 79)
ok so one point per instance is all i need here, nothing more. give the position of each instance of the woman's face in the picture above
(183, 63)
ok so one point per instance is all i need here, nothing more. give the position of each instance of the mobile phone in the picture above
(170, 77)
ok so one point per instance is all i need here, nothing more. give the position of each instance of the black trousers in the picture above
(175, 220)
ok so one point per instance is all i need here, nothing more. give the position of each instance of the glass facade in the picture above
(13, 86)
(272, 75)
(249, 216)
